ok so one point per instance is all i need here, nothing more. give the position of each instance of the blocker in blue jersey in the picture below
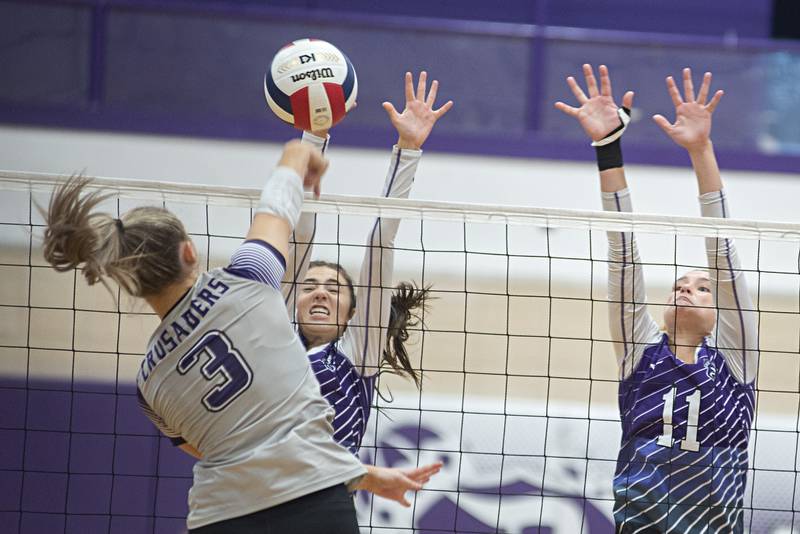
(686, 392)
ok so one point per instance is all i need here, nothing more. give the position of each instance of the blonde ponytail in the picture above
(140, 251)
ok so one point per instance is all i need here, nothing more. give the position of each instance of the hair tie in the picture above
(121, 228)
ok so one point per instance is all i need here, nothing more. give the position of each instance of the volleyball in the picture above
(310, 84)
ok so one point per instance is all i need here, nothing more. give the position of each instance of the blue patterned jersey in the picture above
(683, 460)
(346, 390)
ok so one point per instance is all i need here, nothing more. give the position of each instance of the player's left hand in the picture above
(415, 123)
(392, 483)
(692, 126)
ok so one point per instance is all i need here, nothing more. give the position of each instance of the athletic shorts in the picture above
(329, 511)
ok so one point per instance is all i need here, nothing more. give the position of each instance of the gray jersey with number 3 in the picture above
(226, 373)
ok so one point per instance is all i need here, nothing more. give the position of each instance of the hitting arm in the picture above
(301, 246)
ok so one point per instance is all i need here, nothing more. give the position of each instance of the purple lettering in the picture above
(160, 352)
(190, 319)
(179, 331)
(195, 304)
(168, 341)
(208, 296)
(218, 285)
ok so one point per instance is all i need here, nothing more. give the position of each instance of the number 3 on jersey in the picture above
(223, 359)
(689, 443)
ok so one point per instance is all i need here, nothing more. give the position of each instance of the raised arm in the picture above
(365, 337)
(261, 256)
(736, 331)
(301, 166)
(632, 328)
(301, 246)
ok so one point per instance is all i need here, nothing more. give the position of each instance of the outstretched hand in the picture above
(692, 127)
(415, 123)
(392, 483)
(597, 113)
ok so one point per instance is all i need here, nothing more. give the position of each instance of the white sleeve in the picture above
(364, 340)
(736, 331)
(301, 245)
(632, 327)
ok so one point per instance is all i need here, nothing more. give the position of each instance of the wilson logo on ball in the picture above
(311, 85)
(314, 74)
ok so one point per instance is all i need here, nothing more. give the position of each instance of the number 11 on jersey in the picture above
(689, 443)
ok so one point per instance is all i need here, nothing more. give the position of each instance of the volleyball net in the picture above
(519, 380)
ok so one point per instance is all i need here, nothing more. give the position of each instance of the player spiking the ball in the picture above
(226, 377)
(686, 392)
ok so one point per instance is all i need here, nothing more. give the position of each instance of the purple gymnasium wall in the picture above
(79, 457)
(195, 68)
(745, 18)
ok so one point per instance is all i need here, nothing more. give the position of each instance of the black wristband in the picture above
(609, 156)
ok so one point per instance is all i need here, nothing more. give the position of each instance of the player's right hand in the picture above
(392, 483)
(597, 113)
(307, 162)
